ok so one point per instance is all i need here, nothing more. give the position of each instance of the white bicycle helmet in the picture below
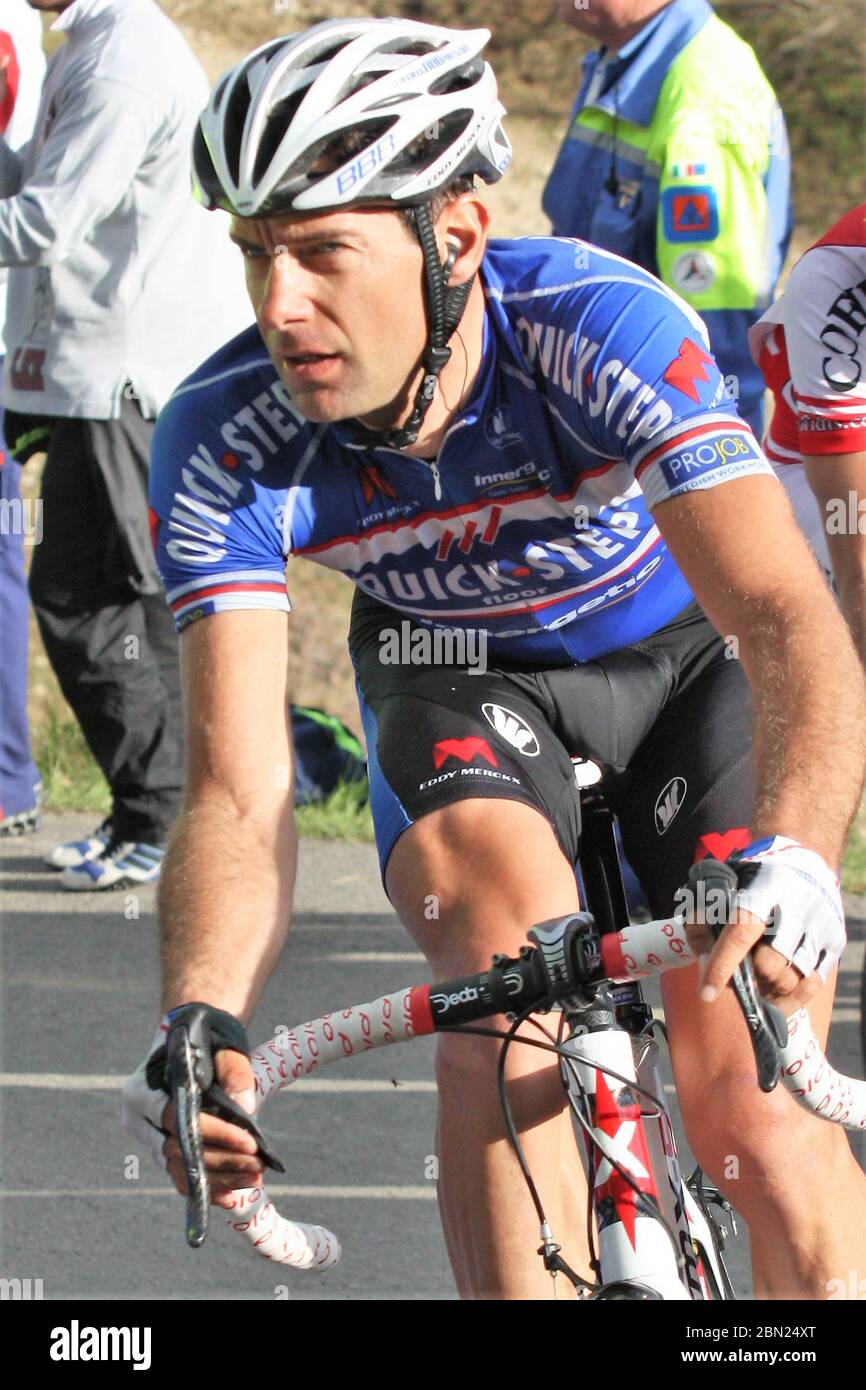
(275, 123)
(357, 112)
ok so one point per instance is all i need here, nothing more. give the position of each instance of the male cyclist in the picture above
(526, 440)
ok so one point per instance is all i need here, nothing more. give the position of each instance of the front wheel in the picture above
(623, 1290)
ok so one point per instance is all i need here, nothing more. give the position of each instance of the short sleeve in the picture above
(216, 523)
(653, 395)
(823, 312)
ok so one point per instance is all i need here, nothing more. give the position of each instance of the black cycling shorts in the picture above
(667, 718)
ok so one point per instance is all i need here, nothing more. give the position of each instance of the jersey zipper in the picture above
(437, 481)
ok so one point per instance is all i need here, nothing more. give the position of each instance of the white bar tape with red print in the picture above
(649, 948)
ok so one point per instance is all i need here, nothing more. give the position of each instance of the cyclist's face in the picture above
(339, 303)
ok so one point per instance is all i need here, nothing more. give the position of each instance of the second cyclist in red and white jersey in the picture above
(811, 347)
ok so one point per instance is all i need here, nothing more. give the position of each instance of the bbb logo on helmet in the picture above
(513, 729)
(366, 163)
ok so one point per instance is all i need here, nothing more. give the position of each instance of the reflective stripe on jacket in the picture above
(681, 163)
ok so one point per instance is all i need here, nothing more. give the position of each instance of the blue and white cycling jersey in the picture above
(596, 400)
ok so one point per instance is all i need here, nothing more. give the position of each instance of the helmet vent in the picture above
(458, 81)
(280, 118)
(424, 151)
(234, 118)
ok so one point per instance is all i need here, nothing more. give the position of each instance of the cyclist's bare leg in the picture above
(491, 868)
(793, 1177)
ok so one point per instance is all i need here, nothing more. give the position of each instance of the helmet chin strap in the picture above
(445, 308)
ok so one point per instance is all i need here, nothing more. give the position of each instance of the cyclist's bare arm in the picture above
(839, 484)
(754, 575)
(226, 884)
(226, 888)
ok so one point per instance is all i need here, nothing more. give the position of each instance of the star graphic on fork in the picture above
(617, 1122)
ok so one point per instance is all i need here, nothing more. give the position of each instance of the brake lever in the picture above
(193, 1088)
(768, 1028)
(218, 1102)
(181, 1072)
(767, 1025)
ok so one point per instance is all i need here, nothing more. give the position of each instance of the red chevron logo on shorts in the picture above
(463, 748)
(718, 846)
(688, 367)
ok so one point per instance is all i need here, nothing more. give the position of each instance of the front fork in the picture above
(636, 1253)
(700, 1234)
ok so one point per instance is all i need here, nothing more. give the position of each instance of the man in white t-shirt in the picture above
(119, 285)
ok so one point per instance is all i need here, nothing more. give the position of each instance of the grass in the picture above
(344, 816)
(72, 782)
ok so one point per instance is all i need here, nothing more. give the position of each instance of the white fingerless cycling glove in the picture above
(141, 1107)
(797, 894)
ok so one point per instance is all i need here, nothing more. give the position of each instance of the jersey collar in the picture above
(641, 65)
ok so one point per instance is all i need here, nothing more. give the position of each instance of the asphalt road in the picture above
(79, 996)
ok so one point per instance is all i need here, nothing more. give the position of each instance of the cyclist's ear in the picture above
(462, 228)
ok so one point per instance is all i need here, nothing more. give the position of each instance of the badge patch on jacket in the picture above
(690, 213)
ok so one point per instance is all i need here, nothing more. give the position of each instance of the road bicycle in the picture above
(653, 1234)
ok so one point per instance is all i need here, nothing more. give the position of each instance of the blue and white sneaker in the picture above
(77, 852)
(21, 823)
(121, 865)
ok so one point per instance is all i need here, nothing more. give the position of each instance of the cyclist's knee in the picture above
(471, 878)
(726, 1137)
(466, 1075)
(760, 1150)
(462, 845)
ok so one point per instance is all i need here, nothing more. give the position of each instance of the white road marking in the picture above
(71, 1081)
(134, 1189)
(367, 957)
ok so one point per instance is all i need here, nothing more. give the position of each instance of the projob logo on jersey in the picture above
(670, 799)
(499, 428)
(704, 457)
(513, 729)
